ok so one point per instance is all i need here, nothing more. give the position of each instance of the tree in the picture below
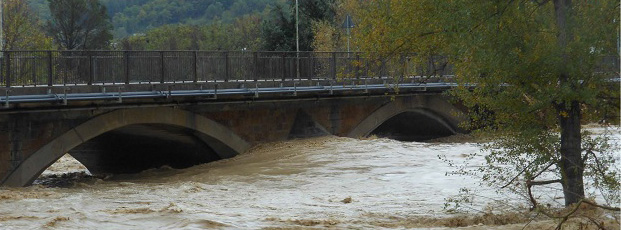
(21, 29)
(534, 65)
(79, 24)
(279, 30)
(242, 34)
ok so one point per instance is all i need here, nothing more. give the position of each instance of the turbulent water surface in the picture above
(327, 182)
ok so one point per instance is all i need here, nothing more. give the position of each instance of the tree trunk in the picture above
(571, 164)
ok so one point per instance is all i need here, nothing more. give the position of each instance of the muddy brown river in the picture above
(327, 182)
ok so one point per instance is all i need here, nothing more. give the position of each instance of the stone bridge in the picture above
(130, 127)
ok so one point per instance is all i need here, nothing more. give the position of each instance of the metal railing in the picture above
(62, 68)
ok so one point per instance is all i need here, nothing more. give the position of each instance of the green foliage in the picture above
(529, 67)
(138, 16)
(21, 30)
(279, 30)
(243, 34)
(79, 24)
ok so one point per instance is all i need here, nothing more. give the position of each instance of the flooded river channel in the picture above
(327, 182)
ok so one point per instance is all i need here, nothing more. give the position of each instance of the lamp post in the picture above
(297, 27)
(297, 39)
(1, 40)
(1, 28)
(348, 24)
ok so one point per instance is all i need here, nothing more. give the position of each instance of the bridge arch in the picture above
(432, 110)
(221, 139)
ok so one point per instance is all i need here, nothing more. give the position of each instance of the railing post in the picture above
(311, 58)
(126, 54)
(333, 66)
(50, 74)
(162, 68)
(255, 60)
(227, 71)
(407, 66)
(284, 67)
(357, 69)
(8, 69)
(91, 73)
(195, 66)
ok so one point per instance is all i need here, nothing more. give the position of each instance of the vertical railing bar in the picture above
(8, 69)
(227, 72)
(312, 66)
(256, 65)
(333, 66)
(50, 73)
(358, 63)
(214, 59)
(90, 69)
(33, 68)
(162, 68)
(2, 77)
(175, 55)
(195, 66)
(126, 55)
(63, 69)
(284, 67)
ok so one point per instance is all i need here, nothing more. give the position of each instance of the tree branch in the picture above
(542, 182)
(595, 222)
(616, 209)
(543, 170)
(565, 217)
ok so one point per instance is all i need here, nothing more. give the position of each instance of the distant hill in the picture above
(137, 16)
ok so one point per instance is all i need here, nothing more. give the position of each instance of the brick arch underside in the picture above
(222, 140)
(435, 110)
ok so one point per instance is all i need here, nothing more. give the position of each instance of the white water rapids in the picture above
(327, 182)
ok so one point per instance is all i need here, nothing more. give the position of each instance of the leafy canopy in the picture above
(79, 24)
(526, 74)
(21, 29)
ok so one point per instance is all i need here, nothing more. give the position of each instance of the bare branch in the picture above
(516, 176)
(565, 217)
(617, 209)
(595, 222)
(597, 162)
(543, 182)
(544, 169)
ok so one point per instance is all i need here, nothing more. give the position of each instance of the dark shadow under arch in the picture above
(218, 138)
(137, 147)
(414, 125)
(434, 115)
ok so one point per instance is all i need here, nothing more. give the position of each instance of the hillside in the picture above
(137, 16)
